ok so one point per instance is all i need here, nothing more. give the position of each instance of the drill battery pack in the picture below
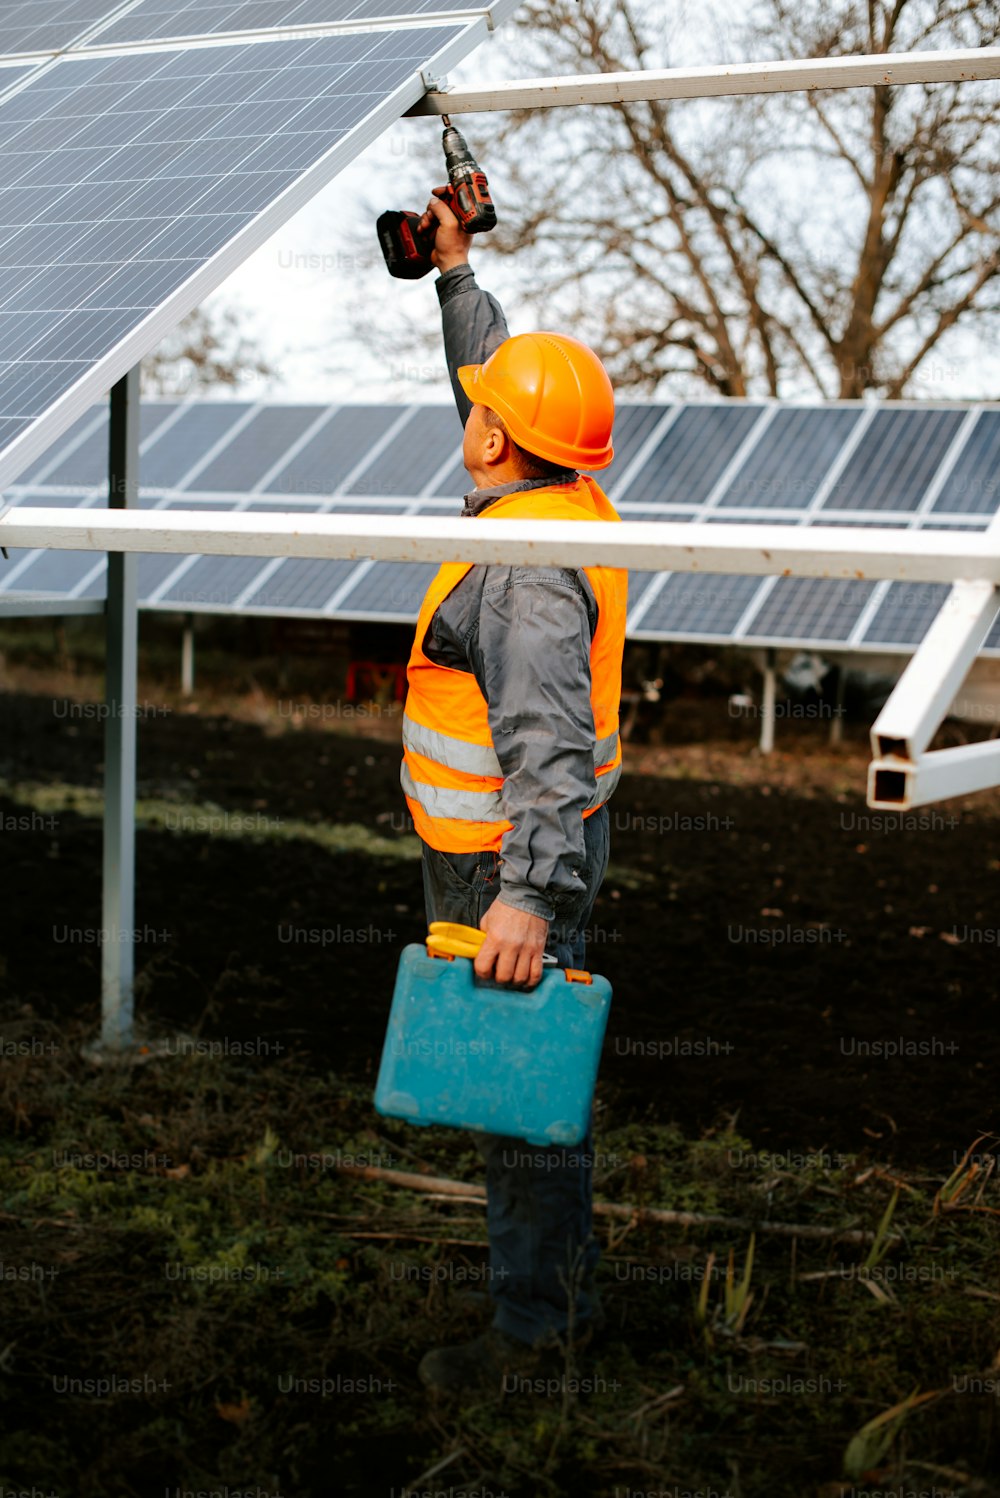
(489, 1057)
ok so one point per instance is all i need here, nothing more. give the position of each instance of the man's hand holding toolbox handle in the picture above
(492, 957)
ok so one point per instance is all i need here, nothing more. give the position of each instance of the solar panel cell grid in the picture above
(40, 25)
(192, 436)
(409, 463)
(214, 580)
(895, 461)
(87, 464)
(54, 571)
(633, 424)
(157, 20)
(390, 588)
(692, 455)
(244, 461)
(710, 603)
(321, 466)
(906, 613)
(808, 608)
(301, 583)
(455, 481)
(712, 517)
(973, 486)
(171, 212)
(788, 464)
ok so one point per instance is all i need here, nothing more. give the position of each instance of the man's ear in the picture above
(494, 445)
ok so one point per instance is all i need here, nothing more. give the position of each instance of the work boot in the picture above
(479, 1368)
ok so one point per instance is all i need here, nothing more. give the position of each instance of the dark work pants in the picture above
(539, 1199)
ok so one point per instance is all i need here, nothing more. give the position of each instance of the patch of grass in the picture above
(181, 1232)
(184, 818)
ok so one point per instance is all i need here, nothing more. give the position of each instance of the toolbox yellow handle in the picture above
(447, 939)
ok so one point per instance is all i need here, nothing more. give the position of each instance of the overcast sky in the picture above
(296, 295)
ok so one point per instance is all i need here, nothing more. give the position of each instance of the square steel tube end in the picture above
(890, 785)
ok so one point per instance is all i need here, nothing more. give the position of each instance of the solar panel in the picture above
(87, 463)
(389, 590)
(894, 463)
(906, 613)
(973, 486)
(810, 608)
(786, 467)
(706, 604)
(11, 74)
(454, 482)
(301, 584)
(213, 581)
(339, 445)
(200, 427)
(633, 425)
(49, 25)
(163, 20)
(306, 584)
(250, 456)
(407, 465)
(132, 184)
(692, 455)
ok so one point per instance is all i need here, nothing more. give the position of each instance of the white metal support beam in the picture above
(901, 774)
(121, 657)
(767, 712)
(645, 545)
(899, 777)
(187, 656)
(958, 64)
(899, 784)
(909, 719)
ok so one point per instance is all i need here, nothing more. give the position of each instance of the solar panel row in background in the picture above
(724, 463)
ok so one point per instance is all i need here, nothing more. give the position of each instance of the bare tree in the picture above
(823, 241)
(204, 350)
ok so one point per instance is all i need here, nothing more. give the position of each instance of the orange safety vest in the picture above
(450, 774)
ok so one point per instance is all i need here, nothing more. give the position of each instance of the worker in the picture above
(511, 752)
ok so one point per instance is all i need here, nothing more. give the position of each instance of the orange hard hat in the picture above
(554, 395)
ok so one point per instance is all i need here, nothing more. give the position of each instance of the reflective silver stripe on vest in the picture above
(477, 759)
(605, 785)
(483, 806)
(457, 754)
(463, 806)
(605, 750)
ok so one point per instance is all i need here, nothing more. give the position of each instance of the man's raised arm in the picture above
(473, 320)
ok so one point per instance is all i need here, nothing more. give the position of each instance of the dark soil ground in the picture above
(777, 952)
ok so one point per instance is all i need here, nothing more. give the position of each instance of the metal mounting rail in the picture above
(951, 65)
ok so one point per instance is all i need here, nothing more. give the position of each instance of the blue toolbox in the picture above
(482, 1055)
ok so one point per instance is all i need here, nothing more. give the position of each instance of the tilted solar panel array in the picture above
(925, 468)
(134, 180)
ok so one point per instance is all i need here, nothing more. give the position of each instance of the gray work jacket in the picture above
(525, 634)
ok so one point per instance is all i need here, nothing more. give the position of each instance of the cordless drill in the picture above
(406, 248)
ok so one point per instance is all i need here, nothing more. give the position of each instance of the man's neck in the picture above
(478, 499)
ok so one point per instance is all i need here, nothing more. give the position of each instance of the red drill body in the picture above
(406, 249)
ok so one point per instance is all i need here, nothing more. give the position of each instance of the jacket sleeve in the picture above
(473, 323)
(531, 656)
